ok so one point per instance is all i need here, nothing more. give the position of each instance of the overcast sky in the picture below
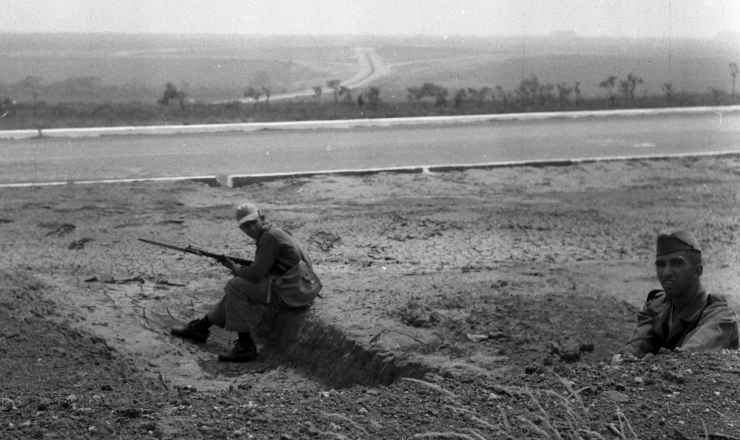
(657, 18)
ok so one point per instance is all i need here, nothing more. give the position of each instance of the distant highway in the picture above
(370, 68)
(135, 157)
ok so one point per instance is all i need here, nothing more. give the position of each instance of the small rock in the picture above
(374, 426)
(620, 387)
(570, 356)
(7, 404)
(673, 377)
(678, 435)
(97, 339)
(43, 405)
(476, 338)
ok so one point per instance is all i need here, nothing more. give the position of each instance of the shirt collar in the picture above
(695, 307)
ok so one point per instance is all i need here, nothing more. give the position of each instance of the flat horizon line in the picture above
(563, 34)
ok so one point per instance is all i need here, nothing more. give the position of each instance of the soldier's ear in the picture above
(698, 270)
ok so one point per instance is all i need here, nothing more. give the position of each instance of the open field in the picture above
(502, 292)
(213, 68)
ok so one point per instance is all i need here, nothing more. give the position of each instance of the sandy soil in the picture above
(494, 288)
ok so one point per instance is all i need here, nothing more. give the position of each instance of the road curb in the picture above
(236, 181)
(346, 124)
(208, 180)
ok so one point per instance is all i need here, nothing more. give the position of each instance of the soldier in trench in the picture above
(682, 316)
(277, 252)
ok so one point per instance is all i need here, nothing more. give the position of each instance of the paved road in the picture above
(132, 157)
(369, 68)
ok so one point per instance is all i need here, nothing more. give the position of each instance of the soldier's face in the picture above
(252, 228)
(676, 273)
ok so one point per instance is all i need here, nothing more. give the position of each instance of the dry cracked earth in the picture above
(480, 304)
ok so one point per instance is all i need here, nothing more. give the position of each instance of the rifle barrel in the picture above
(191, 250)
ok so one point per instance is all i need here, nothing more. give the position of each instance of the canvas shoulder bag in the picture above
(299, 286)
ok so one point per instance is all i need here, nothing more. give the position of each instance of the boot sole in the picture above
(242, 358)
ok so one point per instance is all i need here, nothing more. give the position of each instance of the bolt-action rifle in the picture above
(201, 253)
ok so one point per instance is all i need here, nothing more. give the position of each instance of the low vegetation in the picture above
(339, 102)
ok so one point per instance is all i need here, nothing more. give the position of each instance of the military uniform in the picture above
(707, 323)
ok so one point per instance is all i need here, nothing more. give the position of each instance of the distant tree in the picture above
(668, 90)
(577, 92)
(504, 97)
(459, 98)
(563, 93)
(254, 94)
(733, 72)
(334, 86)
(373, 98)
(608, 85)
(439, 93)
(544, 93)
(346, 93)
(479, 96)
(360, 102)
(624, 89)
(7, 106)
(633, 81)
(170, 94)
(440, 97)
(531, 91)
(317, 91)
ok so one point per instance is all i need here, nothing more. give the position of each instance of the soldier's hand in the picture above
(227, 263)
(616, 358)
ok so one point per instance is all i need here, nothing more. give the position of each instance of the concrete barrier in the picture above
(236, 181)
(345, 124)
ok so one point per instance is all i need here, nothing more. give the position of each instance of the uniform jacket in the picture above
(707, 323)
(276, 253)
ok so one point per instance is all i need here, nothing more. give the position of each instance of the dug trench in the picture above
(480, 276)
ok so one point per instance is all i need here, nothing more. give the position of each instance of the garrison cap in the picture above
(246, 212)
(669, 242)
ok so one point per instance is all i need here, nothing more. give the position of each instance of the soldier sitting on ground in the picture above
(682, 316)
(257, 284)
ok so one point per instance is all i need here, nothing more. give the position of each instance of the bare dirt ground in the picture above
(480, 304)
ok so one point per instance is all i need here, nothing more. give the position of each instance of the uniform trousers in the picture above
(232, 311)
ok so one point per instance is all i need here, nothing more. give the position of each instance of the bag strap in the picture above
(300, 250)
